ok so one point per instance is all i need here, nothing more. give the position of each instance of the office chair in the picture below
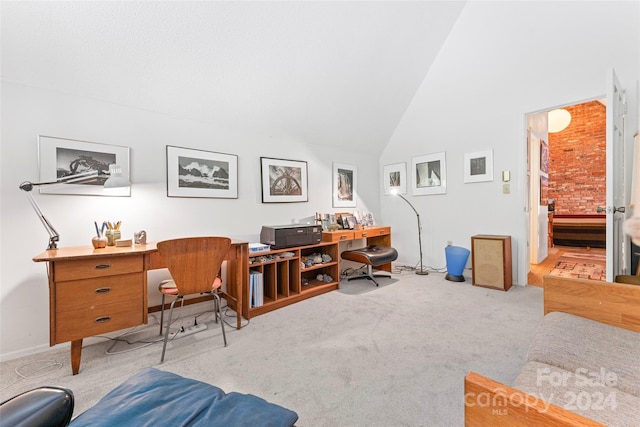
(194, 264)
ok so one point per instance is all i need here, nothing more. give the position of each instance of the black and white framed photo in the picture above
(283, 181)
(199, 173)
(395, 178)
(429, 174)
(478, 166)
(345, 180)
(64, 158)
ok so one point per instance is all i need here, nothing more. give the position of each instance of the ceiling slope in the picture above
(333, 73)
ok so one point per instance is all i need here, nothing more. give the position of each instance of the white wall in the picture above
(501, 61)
(28, 112)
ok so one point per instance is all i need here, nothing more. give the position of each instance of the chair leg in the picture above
(166, 331)
(216, 298)
(161, 314)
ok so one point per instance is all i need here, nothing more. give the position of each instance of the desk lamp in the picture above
(422, 271)
(115, 180)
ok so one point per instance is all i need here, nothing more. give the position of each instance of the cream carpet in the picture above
(389, 356)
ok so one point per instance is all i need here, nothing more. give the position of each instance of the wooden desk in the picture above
(95, 291)
(375, 235)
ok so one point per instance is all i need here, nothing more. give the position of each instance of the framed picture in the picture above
(544, 158)
(345, 181)
(544, 191)
(59, 158)
(429, 174)
(395, 178)
(199, 173)
(283, 181)
(478, 166)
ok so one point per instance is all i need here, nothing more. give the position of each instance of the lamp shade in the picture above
(558, 120)
(116, 180)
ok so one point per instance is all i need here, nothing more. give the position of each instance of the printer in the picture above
(287, 236)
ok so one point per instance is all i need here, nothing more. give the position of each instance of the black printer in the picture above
(287, 236)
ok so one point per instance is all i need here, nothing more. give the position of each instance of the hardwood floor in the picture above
(536, 271)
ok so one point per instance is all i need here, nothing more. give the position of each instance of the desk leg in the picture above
(76, 355)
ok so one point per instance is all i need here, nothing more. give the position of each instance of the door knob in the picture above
(620, 209)
(600, 209)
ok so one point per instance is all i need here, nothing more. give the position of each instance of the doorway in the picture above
(567, 187)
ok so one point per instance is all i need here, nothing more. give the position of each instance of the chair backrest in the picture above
(194, 262)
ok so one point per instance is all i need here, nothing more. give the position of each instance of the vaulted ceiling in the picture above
(335, 73)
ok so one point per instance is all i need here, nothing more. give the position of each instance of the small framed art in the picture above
(63, 158)
(478, 166)
(395, 178)
(200, 173)
(283, 181)
(345, 180)
(429, 174)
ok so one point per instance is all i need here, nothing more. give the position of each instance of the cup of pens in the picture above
(112, 233)
(99, 241)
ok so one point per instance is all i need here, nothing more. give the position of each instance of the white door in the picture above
(615, 197)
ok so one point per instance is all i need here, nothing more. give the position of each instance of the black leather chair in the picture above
(41, 407)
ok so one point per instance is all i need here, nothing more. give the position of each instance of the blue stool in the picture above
(456, 260)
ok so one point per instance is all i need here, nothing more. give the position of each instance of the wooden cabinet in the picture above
(491, 261)
(287, 277)
(96, 296)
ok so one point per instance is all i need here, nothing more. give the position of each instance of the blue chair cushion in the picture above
(153, 397)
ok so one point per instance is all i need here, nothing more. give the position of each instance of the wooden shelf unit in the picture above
(284, 279)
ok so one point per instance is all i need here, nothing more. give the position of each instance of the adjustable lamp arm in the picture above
(27, 186)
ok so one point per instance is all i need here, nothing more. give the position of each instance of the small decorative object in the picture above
(140, 237)
(429, 174)
(99, 242)
(327, 279)
(345, 181)
(320, 278)
(199, 173)
(123, 243)
(283, 180)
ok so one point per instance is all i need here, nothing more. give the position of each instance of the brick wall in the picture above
(577, 161)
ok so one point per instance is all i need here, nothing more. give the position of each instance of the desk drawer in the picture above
(78, 294)
(97, 267)
(96, 320)
(372, 232)
(337, 236)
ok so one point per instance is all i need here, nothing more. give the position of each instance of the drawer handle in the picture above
(364, 234)
(343, 237)
(103, 266)
(103, 290)
(103, 319)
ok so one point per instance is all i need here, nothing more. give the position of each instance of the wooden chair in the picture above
(194, 264)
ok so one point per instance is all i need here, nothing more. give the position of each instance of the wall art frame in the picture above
(478, 166)
(283, 180)
(394, 178)
(62, 157)
(429, 174)
(201, 174)
(345, 185)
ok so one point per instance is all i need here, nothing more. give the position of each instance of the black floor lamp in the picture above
(422, 270)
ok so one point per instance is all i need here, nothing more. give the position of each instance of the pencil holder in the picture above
(112, 236)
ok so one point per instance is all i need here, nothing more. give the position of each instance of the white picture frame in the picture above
(394, 178)
(345, 184)
(429, 174)
(200, 173)
(61, 157)
(478, 166)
